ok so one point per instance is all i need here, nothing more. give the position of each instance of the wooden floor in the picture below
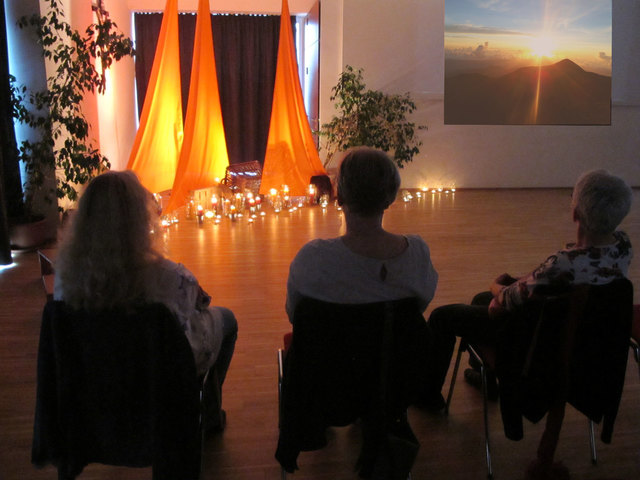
(473, 235)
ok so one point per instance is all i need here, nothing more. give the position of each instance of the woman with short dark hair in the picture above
(367, 263)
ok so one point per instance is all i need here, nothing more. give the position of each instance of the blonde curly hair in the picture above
(108, 243)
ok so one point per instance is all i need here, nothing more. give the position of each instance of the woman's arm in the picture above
(499, 284)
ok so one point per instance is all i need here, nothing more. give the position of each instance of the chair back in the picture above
(118, 388)
(600, 352)
(337, 349)
(333, 370)
(580, 349)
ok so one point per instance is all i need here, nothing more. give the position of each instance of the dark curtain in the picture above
(246, 50)
(10, 188)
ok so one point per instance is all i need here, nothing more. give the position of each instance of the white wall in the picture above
(117, 106)
(400, 46)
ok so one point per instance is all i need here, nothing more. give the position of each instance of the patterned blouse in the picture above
(173, 285)
(572, 265)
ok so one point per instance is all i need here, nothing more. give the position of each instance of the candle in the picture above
(200, 214)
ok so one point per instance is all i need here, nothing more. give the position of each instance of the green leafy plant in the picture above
(80, 63)
(371, 118)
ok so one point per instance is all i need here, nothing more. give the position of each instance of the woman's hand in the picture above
(203, 299)
(505, 280)
(495, 308)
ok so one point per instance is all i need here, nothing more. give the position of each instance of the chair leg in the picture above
(636, 352)
(461, 349)
(592, 443)
(485, 405)
(280, 374)
(283, 472)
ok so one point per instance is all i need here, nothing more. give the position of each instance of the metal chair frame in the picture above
(465, 346)
(633, 344)
(634, 341)
(475, 352)
(484, 367)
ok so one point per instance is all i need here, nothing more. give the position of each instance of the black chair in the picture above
(118, 388)
(347, 362)
(570, 348)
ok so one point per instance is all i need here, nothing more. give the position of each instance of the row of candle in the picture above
(237, 205)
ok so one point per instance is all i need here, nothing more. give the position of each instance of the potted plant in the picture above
(64, 149)
(371, 118)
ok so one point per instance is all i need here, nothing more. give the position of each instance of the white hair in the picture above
(601, 201)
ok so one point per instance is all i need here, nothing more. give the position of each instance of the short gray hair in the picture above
(368, 181)
(601, 201)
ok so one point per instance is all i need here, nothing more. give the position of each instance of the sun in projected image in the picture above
(542, 46)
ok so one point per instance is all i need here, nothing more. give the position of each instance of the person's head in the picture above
(600, 201)
(109, 240)
(368, 181)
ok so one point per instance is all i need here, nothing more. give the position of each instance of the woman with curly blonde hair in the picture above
(108, 260)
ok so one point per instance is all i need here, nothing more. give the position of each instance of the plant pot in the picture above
(29, 234)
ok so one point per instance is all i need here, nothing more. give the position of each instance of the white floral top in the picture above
(173, 285)
(570, 266)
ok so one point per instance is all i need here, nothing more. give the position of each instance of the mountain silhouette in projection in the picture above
(558, 94)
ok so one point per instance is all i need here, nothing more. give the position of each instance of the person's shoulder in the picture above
(417, 243)
(317, 251)
(164, 266)
(621, 237)
(320, 245)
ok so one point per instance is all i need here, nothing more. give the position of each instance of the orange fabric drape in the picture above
(204, 151)
(157, 144)
(292, 157)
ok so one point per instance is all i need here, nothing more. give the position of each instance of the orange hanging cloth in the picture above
(292, 157)
(203, 159)
(157, 145)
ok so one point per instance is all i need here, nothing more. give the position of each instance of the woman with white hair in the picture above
(600, 255)
(108, 260)
(599, 203)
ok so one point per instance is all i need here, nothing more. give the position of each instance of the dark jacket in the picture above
(332, 374)
(118, 388)
(533, 364)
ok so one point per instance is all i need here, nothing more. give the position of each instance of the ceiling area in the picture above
(296, 7)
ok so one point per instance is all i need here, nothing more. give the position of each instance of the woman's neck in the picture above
(588, 239)
(361, 226)
(365, 236)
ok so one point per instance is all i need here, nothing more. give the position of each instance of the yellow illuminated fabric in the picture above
(291, 158)
(156, 149)
(204, 151)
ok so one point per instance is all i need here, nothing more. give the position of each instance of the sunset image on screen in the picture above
(528, 62)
